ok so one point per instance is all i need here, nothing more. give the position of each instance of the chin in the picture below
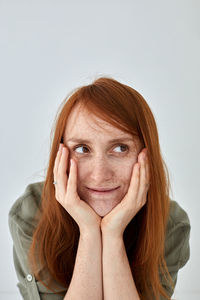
(101, 214)
(102, 211)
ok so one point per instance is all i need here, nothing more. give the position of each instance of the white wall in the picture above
(50, 47)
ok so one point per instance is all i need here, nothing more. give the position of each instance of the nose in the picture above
(100, 171)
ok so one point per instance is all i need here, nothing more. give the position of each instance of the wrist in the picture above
(113, 242)
(112, 236)
(87, 232)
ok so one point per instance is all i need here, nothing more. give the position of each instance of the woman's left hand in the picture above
(115, 222)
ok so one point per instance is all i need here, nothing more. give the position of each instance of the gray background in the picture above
(50, 47)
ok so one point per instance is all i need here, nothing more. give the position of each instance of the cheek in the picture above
(126, 173)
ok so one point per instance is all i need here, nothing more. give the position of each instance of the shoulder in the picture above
(21, 224)
(177, 247)
(178, 218)
(23, 210)
(177, 250)
(178, 214)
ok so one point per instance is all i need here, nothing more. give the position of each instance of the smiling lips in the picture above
(102, 190)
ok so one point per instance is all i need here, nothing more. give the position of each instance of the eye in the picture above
(79, 146)
(122, 146)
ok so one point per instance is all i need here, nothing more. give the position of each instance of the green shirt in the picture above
(21, 224)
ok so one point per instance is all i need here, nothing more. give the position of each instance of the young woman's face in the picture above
(102, 163)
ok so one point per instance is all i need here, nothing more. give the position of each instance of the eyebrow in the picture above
(75, 140)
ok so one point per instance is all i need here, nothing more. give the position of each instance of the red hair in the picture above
(55, 239)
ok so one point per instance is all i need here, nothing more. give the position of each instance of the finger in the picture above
(61, 174)
(147, 170)
(134, 184)
(143, 182)
(56, 163)
(72, 180)
(147, 174)
(64, 161)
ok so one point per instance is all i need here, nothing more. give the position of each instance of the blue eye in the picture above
(80, 146)
(122, 146)
(85, 147)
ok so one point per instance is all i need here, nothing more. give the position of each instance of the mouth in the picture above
(102, 191)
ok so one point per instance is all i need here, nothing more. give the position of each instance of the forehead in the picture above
(81, 123)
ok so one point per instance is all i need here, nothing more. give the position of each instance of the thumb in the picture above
(72, 180)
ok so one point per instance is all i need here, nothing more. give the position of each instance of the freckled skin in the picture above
(100, 164)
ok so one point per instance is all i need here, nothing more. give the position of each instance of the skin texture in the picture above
(100, 164)
(97, 164)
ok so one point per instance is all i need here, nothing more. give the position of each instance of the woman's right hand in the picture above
(66, 193)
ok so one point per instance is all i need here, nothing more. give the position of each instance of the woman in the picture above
(102, 224)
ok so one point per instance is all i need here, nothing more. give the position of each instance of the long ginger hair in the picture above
(56, 236)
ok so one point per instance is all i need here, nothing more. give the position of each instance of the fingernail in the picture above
(60, 146)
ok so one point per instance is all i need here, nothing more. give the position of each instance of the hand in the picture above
(66, 193)
(115, 222)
